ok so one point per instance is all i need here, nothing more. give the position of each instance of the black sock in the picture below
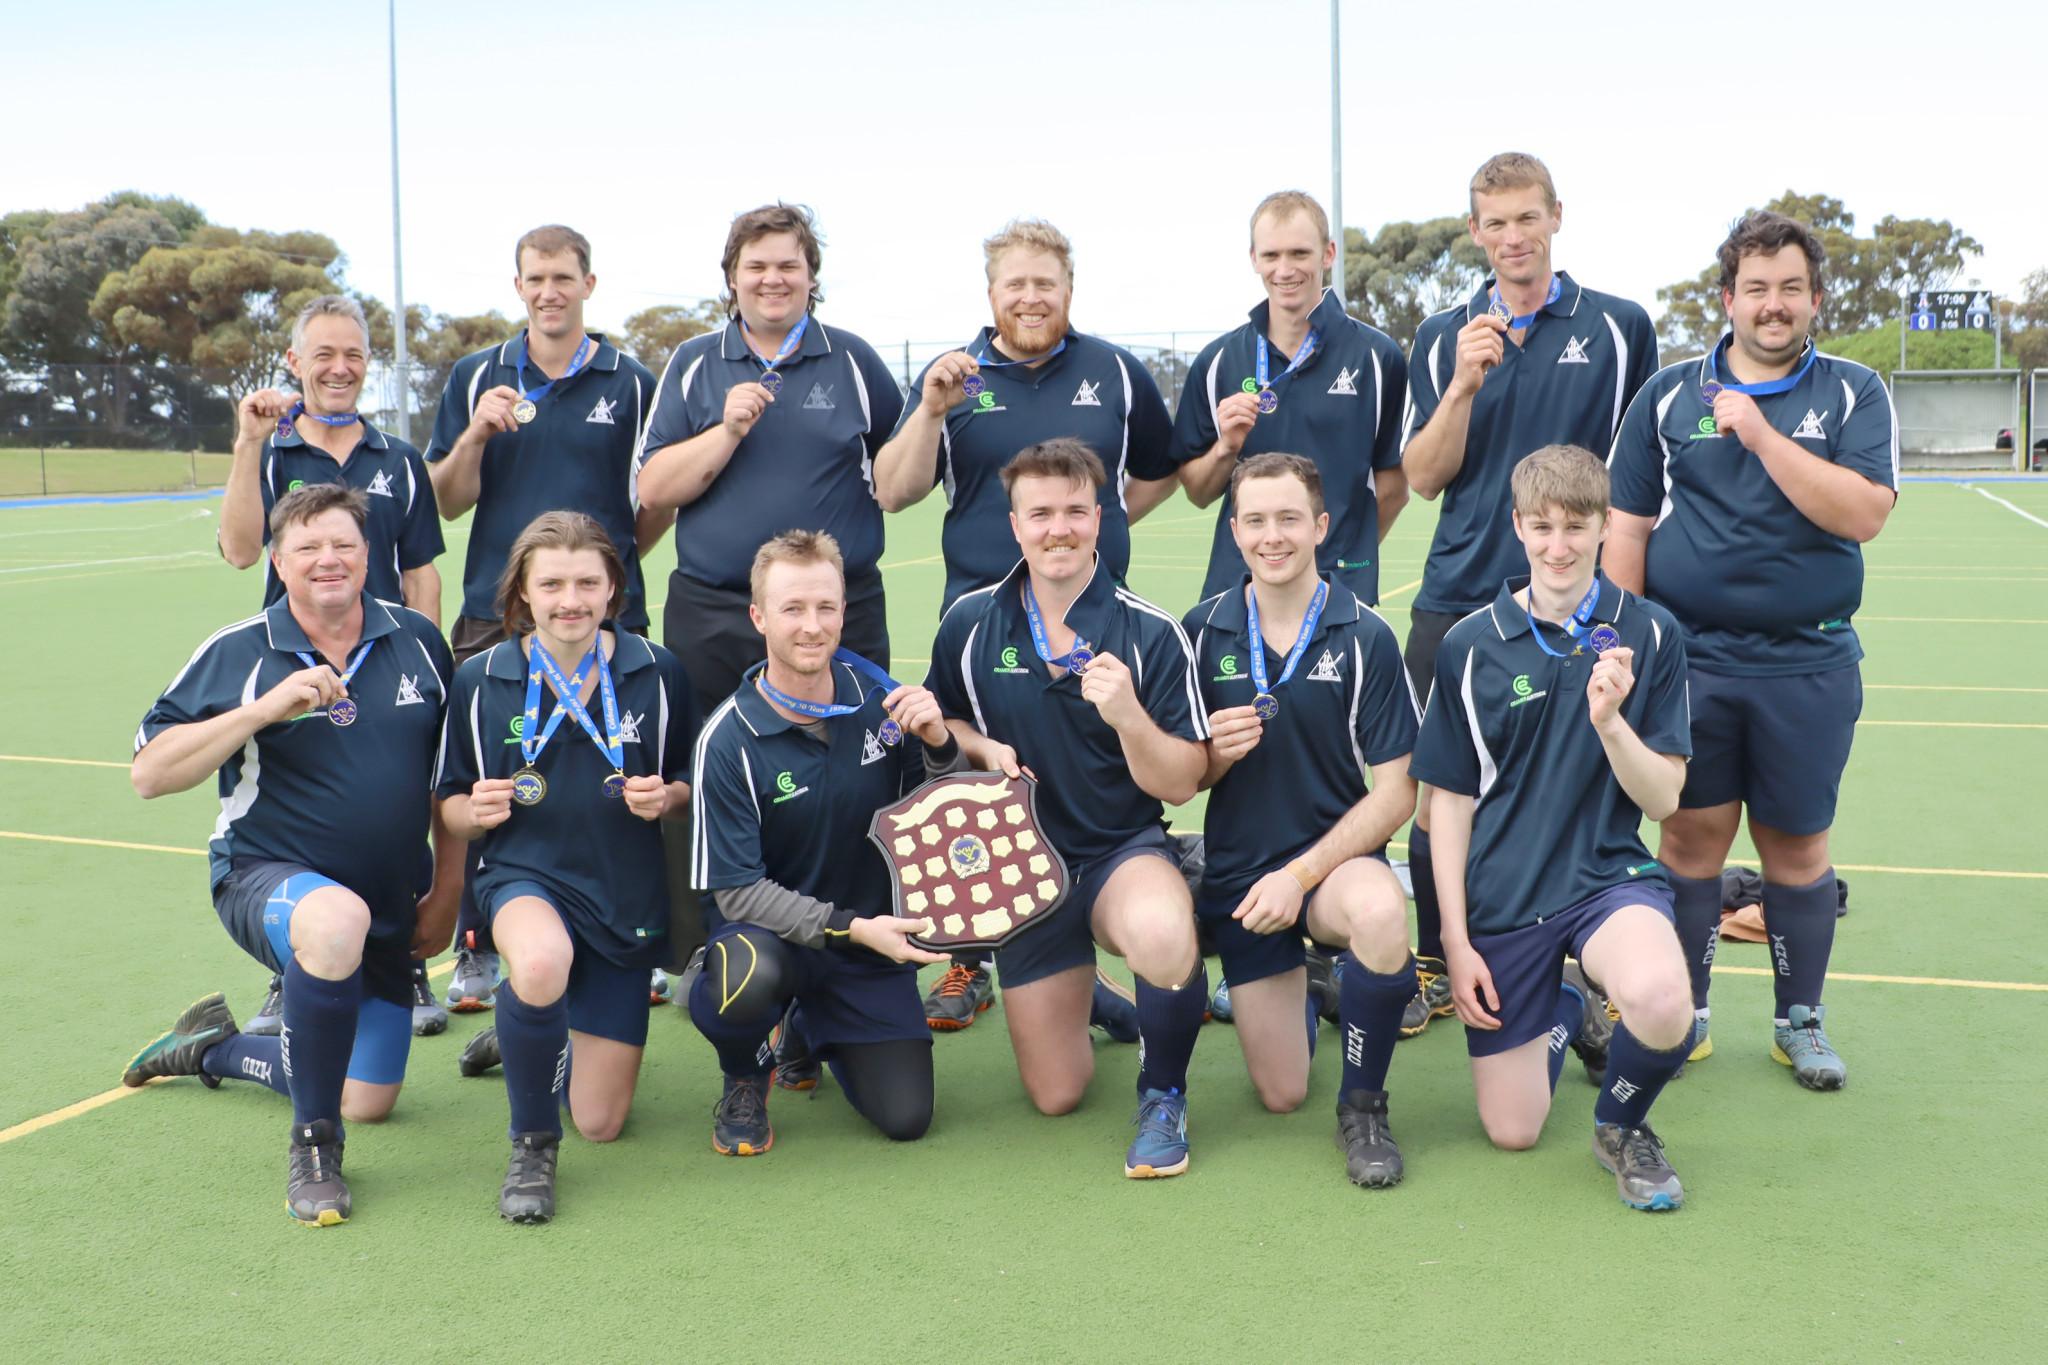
(534, 1041)
(1571, 1017)
(1168, 1024)
(318, 1036)
(1429, 920)
(1696, 904)
(1314, 1019)
(976, 961)
(743, 1046)
(1800, 921)
(1635, 1077)
(1369, 1006)
(248, 1057)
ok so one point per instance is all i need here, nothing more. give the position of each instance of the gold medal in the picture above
(528, 787)
(524, 411)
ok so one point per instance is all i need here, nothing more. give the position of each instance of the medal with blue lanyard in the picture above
(1499, 306)
(1713, 387)
(769, 379)
(889, 733)
(1269, 400)
(341, 711)
(1264, 704)
(298, 409)
(528, 406)
(1075, 660)
(528, 786)
(1602, 637)
(973, 384)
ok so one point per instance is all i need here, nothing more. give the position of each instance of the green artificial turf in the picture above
(1901, 1219)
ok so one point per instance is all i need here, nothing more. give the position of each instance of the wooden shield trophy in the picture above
(965, 852)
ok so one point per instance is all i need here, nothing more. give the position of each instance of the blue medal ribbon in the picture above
(770, 380)
(530, 398)
(891, 732)
(1712, 388)
(1075, 660)
(1268, 400)
(1574, 625)
(341, 711)
(569, 701)
(1265, 704)
(973, 384)
(298, 409)
(1499, 308)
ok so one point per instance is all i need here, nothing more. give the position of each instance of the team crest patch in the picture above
(629, 727)
(1086, 397)
(1326, 669)
(409, 691)
(1810, 429)
(870, 749)
(820, 398)
(602, 413)
(1346, 382)
(381, 485)
(1574, 353)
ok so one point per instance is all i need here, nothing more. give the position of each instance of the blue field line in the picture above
(98, 498)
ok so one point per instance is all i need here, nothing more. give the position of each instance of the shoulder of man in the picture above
(1438, 326)
(1861, 380)
(1624, 311)
(631, 367)
(238, 644)
(1199, 615)
(1153, 625)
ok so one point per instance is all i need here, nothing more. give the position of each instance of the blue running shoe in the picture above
(1114, 1009)
(1642, 1176)
(474, 986)
(1161, 1147)
(1219, 1006)
(1803, 1045)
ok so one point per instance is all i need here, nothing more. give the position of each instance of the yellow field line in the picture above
(100, 843)
(74, 762)
(1396, 592)
(1900, 980)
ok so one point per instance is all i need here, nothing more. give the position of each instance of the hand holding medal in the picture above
(490, 802)
(529, 788)
(526, 407)
(1482, 344)
(340, 710)
(1612, 680)
(953, 379)
(259, 413)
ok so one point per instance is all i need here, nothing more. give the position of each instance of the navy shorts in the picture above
(1525, 963)
(605, 999)
(1248, 956)
(849, 997)
(255, 903)
(1067, 940)
(1778, 745)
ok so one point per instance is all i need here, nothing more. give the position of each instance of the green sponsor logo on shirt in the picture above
(786, 784)
(1009, 662)
(1523, 693)
(295, 485)
(986, 401)
(1707, 429)
(1250, 385)
(518, 729)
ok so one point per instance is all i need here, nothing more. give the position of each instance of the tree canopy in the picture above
(1406, 271)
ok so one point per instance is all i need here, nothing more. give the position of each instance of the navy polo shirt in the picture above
(576, 455)
(349, 802)
(984, 670)
(404, 530)
(602, 864)
(1341, 409)
(1091, 391)
(774, 801)
(1568, 383)
(1508, 724)
(807, 464)
(1760, 590)
(1348, 706)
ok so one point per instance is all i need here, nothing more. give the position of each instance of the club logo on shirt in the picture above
(602, 413)
(1574, 353)
(629, 727)
(820, 398)
(1086, 397)
(1707, 430)
(1228, 669)
(295, 485)
(1346, 382)
(409, 691)
(1522, 691)
(1326, 669)
(987, 402)
(518, 728)
(1009, 662)
(381, 485)
(786, 784)
(1810, 429)
(870, 749)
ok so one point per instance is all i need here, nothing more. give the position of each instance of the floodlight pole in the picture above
(398, 247)
(1337, 149)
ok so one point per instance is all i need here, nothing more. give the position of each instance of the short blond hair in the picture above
(1284, 204)
(794, 547)
(1567, 477)
(1511, 171)
(1028, 234)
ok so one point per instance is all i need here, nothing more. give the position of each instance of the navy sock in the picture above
(1314, 1018)
(1696, 903)
(1571, 1017)
(248, 1058)
(1168, 1024)
(319, 1034)
(1801, 923)
(1429, 920)
(743, 1047)
(1369, 1006)
(1635, 1077)
(534, 1041)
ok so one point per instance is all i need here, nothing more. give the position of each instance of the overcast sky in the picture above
(1146, 131)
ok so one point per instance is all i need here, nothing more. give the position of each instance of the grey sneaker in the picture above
(269, 1021)
(314, 1192)
(428, 1018)
(1432, 996)
(1642, 1176)
(529, 1192)
(1803, 1045)
(1371, 1157)
(474, 986)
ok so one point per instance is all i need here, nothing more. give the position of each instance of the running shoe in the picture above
(1596, 1031)
(428, 1018)
(205, 1022)
(269, 1021)
(480, 1053)
(962, 992)
(796, 1066)
(1432, 996)
(474, 986)
(739, 1126)
(661, 988)
(1371, 1157)
(1219, 1004)
(1642, 1176)
(314, 1192)
(1114, 1010)
(528, 1195)
(1161, 1147)
(1803, 1045)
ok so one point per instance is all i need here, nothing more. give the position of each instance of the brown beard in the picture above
(1015, 345)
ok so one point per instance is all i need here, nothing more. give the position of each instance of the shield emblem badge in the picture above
(965, 851)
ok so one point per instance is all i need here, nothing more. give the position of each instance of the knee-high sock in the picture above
(1801, 923)
(1429, 920)
(743, 1047)
(1168, 1024)
(1696, 904)
(534, 1040)
(1571, 1017)
(319, 1034)
(247, 1057)
(1313, 1017)
(1369, 1006)
(1635, 1077)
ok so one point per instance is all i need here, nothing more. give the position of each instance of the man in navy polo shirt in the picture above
(285, 441)
(1744, 485)
(1028, 378)
(321, 716)
(544, 422)
(1557, 722)
(566, 746)
(789, 774)
(1533, 358)
(768, 424)
(1302, 707)
(1328, 387)
(1058, 669)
